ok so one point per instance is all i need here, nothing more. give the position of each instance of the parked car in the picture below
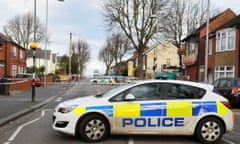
(229, 88)
(165, 76)
(30, 77)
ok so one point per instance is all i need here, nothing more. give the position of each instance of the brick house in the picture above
(12, 57)
(224, 47)
(194, 45)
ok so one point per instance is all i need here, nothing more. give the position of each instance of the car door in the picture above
(139, 109)
(182, 105)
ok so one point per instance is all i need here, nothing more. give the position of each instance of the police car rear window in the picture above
(179, 91)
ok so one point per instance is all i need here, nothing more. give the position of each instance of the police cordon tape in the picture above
(10, 83)
(86, 83)
(65, 82)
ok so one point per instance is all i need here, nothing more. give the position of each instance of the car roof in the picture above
(195, 84)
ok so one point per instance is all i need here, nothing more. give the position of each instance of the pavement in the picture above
(19, 103)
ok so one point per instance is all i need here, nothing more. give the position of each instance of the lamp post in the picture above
(154, 16)
(34, 45)
(46, 43)
(206, 47)
(70, 57)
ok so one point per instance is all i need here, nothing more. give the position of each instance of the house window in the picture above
(20, 69)
(192, 48)
(225, 40)
(210, 47)
(21, 54)
(14, 70)
(168, 61)
(224, 71)
(14, 51)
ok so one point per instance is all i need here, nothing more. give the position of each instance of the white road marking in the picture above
(18, 130)
(130, 140)
(14, 135)
(58, 99)
(227, 141)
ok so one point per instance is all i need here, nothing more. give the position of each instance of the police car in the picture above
(162, 107)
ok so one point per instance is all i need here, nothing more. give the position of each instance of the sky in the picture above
(83, 18)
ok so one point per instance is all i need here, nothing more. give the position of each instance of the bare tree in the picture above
(182, 18)
(105, 55)
(83, 51)
(20, 28)
(133, 17)
(119, 45)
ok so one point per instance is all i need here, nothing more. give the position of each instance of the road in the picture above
(35, 128)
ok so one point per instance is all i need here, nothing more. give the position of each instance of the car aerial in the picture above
(31, 77)
(229, 87)
(161, 107)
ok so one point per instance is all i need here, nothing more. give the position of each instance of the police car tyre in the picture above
(209, 130)
(93, 128)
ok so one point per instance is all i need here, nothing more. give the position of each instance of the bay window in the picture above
(225, 40)
(224, 71)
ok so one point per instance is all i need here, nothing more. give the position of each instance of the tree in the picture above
(21, 29)
(64, 63)
(118, 46)
(83, 52)
(105, 55)
(181, 18)
(134, 19)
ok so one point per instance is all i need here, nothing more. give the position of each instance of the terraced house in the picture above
(194, 46)
(12, 57)
(224, 47)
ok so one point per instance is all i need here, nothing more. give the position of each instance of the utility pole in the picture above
(70, 56)
(206, 47)
(46, 44)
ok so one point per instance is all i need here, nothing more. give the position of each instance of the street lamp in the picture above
(70, 56)
(154, 16)
(206, 47)
(46, 43)
(34, 45)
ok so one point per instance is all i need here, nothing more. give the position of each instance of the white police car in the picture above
(165, 107)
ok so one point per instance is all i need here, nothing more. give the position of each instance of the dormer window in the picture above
(225, 40)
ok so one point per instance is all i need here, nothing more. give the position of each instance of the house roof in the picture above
(234, 22)
(5, 38)
(196, 31)
(166, 43)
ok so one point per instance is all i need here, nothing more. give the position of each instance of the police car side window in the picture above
(177, 91)
(141, 92)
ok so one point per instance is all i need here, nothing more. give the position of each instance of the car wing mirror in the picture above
(129, 97)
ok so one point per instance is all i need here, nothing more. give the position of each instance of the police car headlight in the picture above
(67, 109)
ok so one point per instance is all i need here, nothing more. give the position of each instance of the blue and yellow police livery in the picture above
(148, 107)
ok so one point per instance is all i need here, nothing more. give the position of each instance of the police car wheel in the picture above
(209, 130)
(93, 128)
